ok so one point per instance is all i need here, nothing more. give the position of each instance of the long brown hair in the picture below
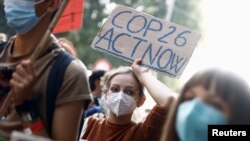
(232, 89)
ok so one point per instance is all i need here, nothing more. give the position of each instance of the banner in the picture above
(72, 17)
(163, 46)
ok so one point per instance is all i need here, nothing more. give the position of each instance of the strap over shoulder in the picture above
(54, 83)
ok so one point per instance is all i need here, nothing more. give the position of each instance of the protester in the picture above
(123, 93)
(68, 46)
(210, 97)
(96, 92)
(30, 19)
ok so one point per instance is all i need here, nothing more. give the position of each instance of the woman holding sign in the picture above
(124, 92)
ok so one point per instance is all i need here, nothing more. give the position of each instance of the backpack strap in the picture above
(54, 83)
(2, 45)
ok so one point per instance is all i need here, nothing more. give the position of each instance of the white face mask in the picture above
(103, 105)
(120, 103)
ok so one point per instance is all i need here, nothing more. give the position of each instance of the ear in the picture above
(141, 101)
(53, 5)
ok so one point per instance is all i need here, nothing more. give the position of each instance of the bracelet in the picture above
(35, 127)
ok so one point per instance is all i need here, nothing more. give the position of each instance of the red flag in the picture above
(71, 18)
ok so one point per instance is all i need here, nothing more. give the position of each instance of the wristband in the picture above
(34, 128)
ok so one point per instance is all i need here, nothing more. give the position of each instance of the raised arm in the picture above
(161, 94)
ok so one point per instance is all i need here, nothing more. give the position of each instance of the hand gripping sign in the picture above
(163, 46)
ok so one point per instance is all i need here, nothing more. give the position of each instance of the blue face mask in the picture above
(21, 15)
(193, 118)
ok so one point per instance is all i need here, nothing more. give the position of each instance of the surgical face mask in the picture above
(120, 103)
(21, 15)
(193, 118)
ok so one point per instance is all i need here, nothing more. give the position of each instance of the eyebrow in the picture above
(130, 87)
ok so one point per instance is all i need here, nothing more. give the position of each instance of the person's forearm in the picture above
(161, 94)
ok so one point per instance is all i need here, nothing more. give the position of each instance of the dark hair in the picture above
(96, 75)
(230, 88)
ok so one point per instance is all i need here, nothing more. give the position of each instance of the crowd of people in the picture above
(99, 107)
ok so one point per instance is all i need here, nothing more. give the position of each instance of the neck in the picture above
(26, 43)
(124, 119)
(96, 93)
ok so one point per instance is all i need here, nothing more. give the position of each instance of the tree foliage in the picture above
(187, 13)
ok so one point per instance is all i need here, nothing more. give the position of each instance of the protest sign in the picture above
(163, 46)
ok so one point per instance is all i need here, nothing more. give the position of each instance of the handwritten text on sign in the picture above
(163, 46)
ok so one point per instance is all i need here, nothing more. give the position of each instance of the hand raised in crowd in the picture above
(22, 82)
(137, 69)
(162, 95)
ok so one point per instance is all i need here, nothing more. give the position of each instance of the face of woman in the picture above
(199, 109)
(123, 96)
(125, 83)
(195, 92)
(205, 96)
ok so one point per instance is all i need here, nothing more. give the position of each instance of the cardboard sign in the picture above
(163, 46)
